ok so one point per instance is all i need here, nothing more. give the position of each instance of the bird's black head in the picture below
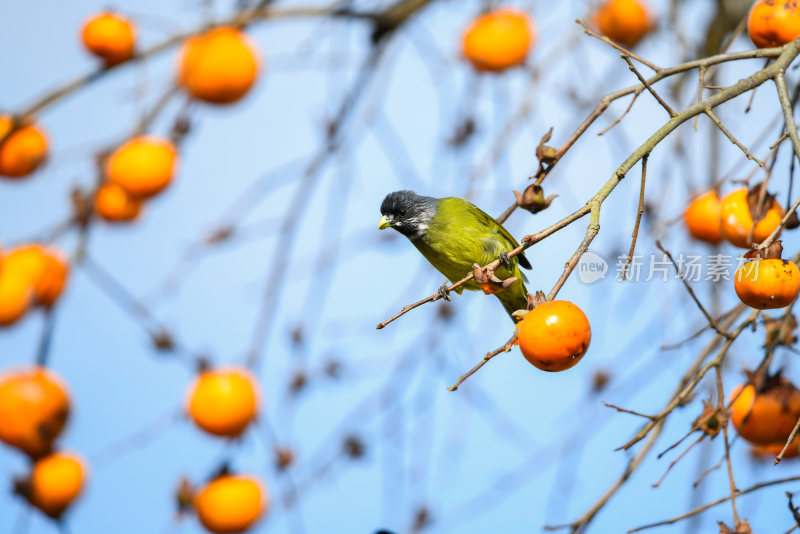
(408, 213)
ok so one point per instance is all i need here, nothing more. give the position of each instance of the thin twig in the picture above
(622, 116)
(625, 410)
(733, 139)
(506, 347)
(590, 31)
(696, 300)
(721, 408)
(674, 462)
(647, 85)
(639, 212)
(789, 440)
(701, 509)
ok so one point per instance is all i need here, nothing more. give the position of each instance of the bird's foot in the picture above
(505, 261)
(443, 292)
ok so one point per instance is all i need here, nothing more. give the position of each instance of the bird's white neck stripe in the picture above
(422, 229)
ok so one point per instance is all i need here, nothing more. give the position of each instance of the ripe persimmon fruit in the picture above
(16, 295)
(231, 503)
(44, 269)
(34, 407)
(224, 401)
(624, 21)
(702, 218)
(736, 219)
(768, 416)
(21, 151)
(110, 37)
(766, 284)
(113, 204)
(774, 22)
(143, 166)
(55, 482)
(499, 39)
(218, 66)
(554, 335)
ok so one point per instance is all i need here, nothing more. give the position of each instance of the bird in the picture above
(453, 234)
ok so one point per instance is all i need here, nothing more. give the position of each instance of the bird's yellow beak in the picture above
(384, 223)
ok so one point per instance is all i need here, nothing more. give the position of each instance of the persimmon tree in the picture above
(190, 277)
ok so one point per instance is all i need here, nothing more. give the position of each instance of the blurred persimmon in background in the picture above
(218, 66)
(110, 37)
(499, 39)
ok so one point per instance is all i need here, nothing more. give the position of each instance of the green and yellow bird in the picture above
(453, 234)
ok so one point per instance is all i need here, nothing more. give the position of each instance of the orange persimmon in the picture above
(21, 151)
(114, 204)
(767, 284)
(736, 219)
(231, 503)
(768, 416)
(110, 37)
(45, 270)
(34, 407)
(773, 22)
(16, 295)
(499, 39)
(143, 166)
(554, 335)
(55, 482)
(218, 66)
(702, 218)
(224, 401)
(624, 21)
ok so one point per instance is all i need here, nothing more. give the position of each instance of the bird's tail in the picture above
(514, 298)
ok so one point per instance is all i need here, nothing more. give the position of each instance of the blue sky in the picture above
(514, 448)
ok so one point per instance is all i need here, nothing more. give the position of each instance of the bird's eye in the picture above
(402, 213)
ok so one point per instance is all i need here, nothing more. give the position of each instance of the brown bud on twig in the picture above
(463, 132)
(488, 281)
(21, 486)
(422, 519)
(284, 457)
(219, 235)
(533, 199)
(333, 369)
(354, 447)
(445, 311)
(180, 127)
(547, 155)
(600, 379)
(298, 382)
(297, 335)
(202, 364)
(184, 496)
(82, 207)
(794, 509)
(711, 420)
(163, 340)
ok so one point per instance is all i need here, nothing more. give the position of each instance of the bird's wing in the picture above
(488, 222)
